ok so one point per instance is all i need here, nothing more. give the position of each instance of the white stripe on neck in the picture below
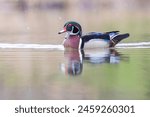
(80, 44)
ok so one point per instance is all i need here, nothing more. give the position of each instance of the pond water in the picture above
(46, 73)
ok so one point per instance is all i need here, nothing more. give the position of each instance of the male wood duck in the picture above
(75, 40)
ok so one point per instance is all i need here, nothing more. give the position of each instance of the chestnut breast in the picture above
(72, 42)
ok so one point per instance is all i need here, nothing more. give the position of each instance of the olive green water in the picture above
(44, 74)
(123, 73)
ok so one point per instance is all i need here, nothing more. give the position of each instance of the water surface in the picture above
(92, 74)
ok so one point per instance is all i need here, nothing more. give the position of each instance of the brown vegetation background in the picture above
(38, 21)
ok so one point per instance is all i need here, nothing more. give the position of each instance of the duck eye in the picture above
(69, 27)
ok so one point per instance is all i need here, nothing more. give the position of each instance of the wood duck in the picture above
(75, 40)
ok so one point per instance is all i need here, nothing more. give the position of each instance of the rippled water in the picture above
(31, 72)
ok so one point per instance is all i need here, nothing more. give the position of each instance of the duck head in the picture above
(73, 32)
(72, 28)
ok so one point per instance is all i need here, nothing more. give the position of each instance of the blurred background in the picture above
(38, 21)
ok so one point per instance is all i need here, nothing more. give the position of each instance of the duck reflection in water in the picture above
(104, 56)
(73, 62)
(74, 59)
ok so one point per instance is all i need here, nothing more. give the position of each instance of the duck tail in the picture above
(116, 39)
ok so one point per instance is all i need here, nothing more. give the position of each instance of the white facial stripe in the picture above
(72, 29)
(72, 33)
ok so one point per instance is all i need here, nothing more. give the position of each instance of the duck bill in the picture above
(62, 31)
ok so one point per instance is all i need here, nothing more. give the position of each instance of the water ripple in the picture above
(134, 45)
(60, 47)
(31, 46)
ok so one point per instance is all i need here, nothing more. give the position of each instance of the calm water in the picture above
(91, 74)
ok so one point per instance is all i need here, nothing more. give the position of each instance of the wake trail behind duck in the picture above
(134, 45)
